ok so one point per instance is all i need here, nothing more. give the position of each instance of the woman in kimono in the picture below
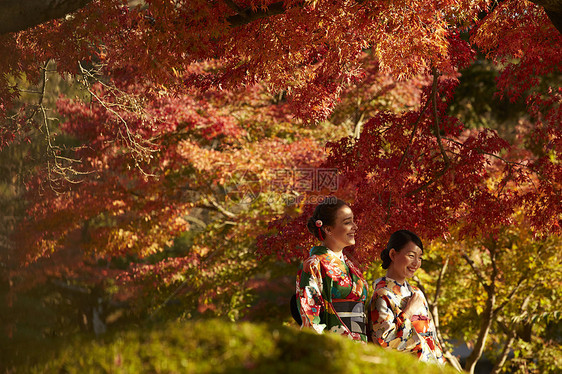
(331, 291)
(399, 316)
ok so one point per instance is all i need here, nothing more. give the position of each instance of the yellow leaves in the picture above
(119, 207)
(151, 249)
(177, 277)
(479, 309)
(312, 3)
(201, 158)
(127, 237)
(176, 73)
(179, 221)
(200, 250)
(118, 203)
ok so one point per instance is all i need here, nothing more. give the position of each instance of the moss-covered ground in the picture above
(213, 346)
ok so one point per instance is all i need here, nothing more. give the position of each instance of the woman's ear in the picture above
(392, 253)
(328, 230)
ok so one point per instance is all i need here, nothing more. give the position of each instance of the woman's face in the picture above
(342, 233)
(405, 263)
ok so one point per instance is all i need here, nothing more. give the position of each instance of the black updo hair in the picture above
(398, 240)
(325, 212)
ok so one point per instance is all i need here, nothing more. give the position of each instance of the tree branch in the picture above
(503, 356)
(434, 312)
(487, 317)
(195, 220)
(247, 15)
(234, 6)
(430, 182)
(439, 280)
(513, 291)
(139, 147)
(493, 255)
(511, 333)
(416, 124)
(479, 150)
(59, 168)
(216, 206)
(476, 271)
(18, 15)
(436, 115)
(438, 135)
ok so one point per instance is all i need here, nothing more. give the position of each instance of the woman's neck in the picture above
(331, 245)
(392, 275)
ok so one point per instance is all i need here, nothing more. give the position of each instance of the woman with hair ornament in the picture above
(398, 314)
(331, 291)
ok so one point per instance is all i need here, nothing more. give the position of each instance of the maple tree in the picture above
(204, 155)
(499, 290)
(187, 102)
(180, 181)
(423, 169)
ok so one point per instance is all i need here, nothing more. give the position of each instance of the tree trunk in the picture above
(511, 335)
(487, 318)
(488, 314)
(501, 361)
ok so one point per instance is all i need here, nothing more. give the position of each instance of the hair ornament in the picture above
(318, 224)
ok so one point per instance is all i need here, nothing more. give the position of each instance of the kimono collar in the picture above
(395, 281)
(318, 250)
(321, 250)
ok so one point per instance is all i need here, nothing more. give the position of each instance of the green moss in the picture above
(213, 346)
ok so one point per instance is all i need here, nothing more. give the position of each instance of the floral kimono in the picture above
(331, 294)
(390, 328)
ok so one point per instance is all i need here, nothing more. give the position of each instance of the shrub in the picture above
(213, 346)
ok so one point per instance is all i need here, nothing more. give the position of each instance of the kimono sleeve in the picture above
(390, 329)
(309, 294)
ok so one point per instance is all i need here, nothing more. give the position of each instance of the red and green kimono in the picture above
(390, 328)
(324, 280)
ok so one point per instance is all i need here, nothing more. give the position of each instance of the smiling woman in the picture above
(398, 314)
(331, 291)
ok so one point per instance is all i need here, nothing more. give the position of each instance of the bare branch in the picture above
(140, 148)
(174, 293)
(503, 356)
(56, 169)
(228, 223)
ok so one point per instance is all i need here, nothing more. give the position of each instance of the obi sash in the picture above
(352, 314)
